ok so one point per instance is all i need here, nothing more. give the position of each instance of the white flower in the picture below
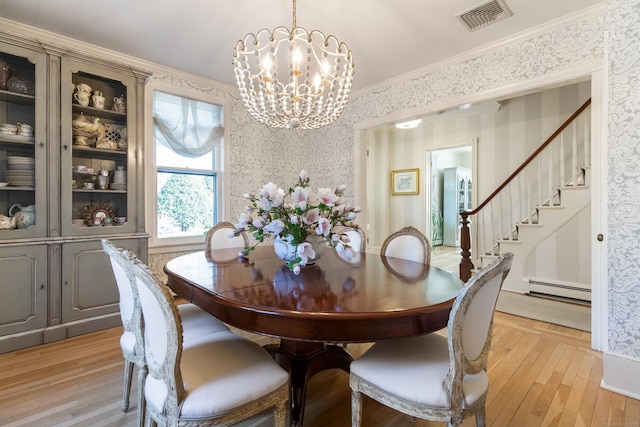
(296, 214)
(278, 198)
(268, 190)
(243, 220)
(296, 269)
(276, 226)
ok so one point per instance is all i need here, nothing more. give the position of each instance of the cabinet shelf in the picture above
(17, 98)
(17, 188)
(99, 112)
(98, 190)
(82, 151)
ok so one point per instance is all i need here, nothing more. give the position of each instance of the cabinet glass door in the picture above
(22, 143)
(96, 150)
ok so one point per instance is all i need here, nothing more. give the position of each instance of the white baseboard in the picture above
(621, 375)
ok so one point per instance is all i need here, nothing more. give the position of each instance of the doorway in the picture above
(450, 189)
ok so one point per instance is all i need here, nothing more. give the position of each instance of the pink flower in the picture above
(327, 196)
(304, 177)
(324, 227)
(300, 197)
(305, 251)
(311, 216)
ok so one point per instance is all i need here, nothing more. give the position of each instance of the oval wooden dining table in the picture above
(369, 298)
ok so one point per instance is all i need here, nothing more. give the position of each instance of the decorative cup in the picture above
(120, 104)
(88, 185)
(97, 101)
(82, 87)
(103, 181)
(82, 98)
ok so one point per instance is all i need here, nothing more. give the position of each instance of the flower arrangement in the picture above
(295, 215)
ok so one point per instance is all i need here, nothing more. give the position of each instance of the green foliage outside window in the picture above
(186, 203)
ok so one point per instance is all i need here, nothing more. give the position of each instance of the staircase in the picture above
(529, 236)
(540, 197)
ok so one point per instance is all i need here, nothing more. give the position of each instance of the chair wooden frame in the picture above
(123, 259)
(220, 226)
(460, 364)
(411, 231)
(169, 369)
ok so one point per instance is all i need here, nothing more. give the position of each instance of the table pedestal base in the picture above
(303, 360)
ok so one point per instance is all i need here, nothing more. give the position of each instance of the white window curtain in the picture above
(190, 128)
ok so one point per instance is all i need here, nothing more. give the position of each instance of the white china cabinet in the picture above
(457, 194)
(70, 174)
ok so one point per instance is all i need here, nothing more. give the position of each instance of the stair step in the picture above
(552, 207)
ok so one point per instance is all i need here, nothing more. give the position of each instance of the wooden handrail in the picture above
(465, 237)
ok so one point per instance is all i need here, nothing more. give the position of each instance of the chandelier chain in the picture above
(294, 15)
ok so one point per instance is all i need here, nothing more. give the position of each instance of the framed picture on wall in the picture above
(405, 182)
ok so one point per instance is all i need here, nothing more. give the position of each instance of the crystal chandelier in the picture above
(293, 78)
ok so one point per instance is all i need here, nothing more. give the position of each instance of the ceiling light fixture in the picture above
(293, 78)
(409, 124)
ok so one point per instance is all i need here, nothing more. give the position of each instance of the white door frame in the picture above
(473, 143)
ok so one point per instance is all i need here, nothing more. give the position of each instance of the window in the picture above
(188, 136)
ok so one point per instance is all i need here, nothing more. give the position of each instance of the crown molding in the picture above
(599, 10)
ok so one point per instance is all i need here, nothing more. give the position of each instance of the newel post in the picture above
(465, 245)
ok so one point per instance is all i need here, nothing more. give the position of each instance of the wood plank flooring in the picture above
(541, 375)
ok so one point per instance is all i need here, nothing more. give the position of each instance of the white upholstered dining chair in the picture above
(217, 379)
(431, 376)
(197, 322)
(217, 237)
(407, 243)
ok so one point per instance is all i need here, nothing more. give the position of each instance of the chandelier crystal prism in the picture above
(293, 78)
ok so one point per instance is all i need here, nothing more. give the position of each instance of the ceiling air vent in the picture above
(484, 14)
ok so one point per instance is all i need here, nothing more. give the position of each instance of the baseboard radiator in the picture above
(556, 289)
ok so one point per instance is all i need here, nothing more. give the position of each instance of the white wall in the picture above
(504, 139)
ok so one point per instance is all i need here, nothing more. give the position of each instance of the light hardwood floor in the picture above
(541, 375)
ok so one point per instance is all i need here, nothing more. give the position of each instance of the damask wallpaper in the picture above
(259, 154)
(623, 212)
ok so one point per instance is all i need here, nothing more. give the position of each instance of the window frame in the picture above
(157, 245)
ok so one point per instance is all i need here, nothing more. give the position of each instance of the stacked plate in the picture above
(18, 133)
(21, 171)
